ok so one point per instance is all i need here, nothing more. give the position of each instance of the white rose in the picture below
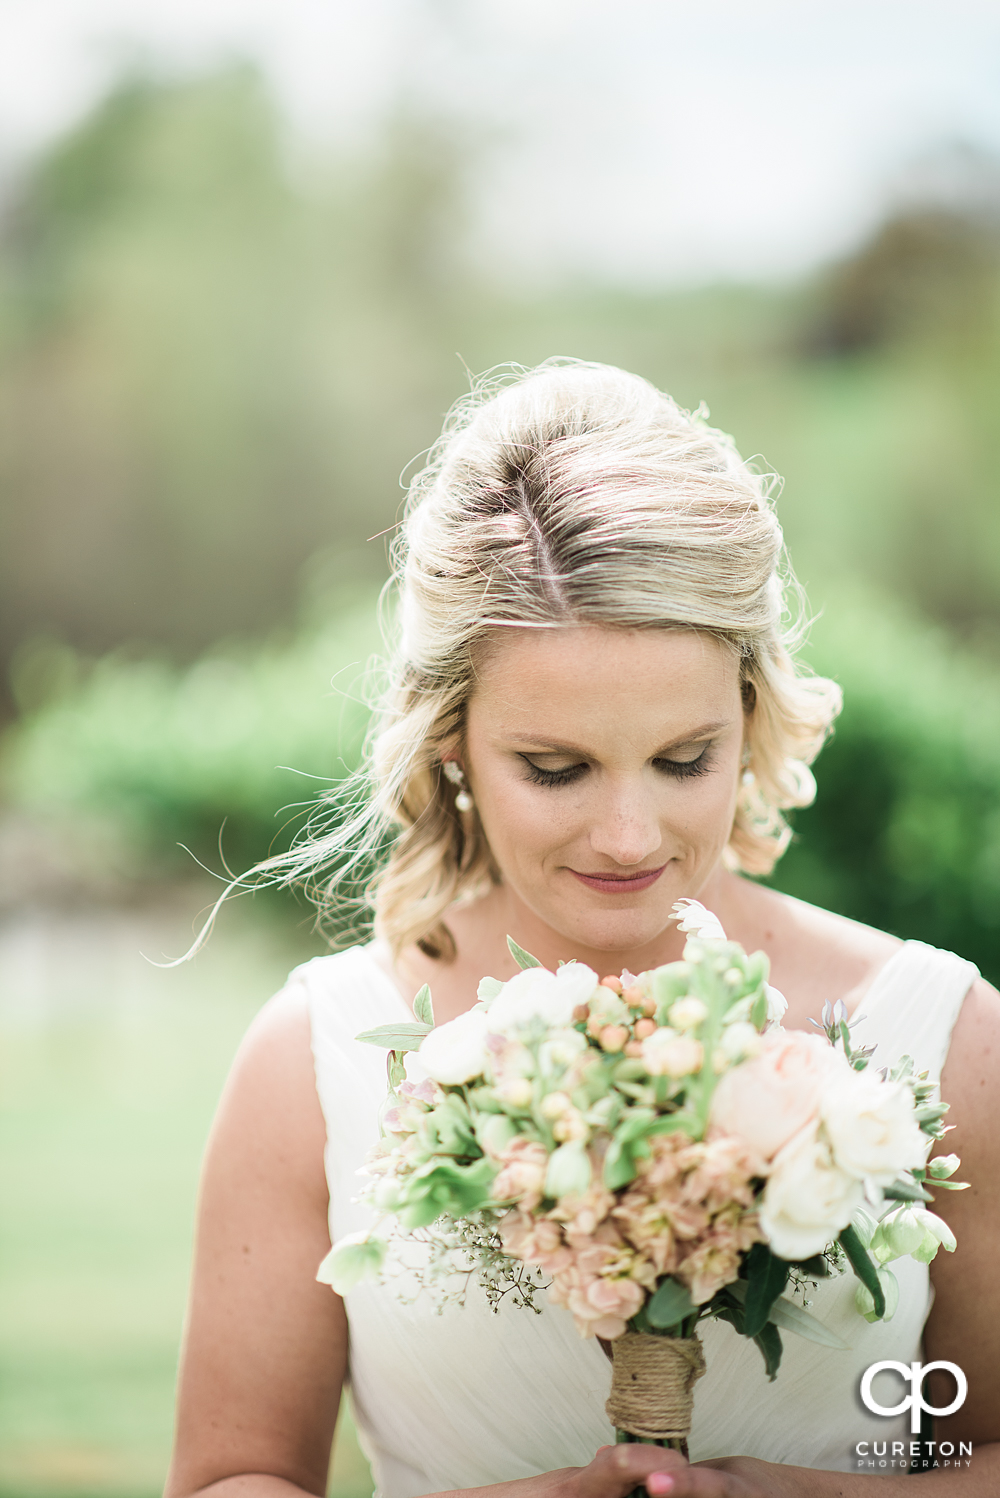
(536, 995)
(456, 1052)
(808, 1198)
(871, 1127)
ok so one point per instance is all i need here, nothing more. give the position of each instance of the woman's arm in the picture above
(265, 1347)
(265, 1350)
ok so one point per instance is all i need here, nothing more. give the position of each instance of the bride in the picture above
(593, 711)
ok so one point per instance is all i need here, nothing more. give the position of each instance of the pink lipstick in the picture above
(619, 884)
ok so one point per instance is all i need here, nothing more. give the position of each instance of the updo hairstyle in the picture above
(571, 494)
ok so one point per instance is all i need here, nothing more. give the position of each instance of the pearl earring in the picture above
(455, 773)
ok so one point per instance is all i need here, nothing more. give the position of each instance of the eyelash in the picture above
(676, 768)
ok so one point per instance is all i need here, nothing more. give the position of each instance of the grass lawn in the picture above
(109, 1073)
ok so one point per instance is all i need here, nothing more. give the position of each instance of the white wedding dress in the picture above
(466, 1397)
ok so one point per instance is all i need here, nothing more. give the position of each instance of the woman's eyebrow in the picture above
(541, 745)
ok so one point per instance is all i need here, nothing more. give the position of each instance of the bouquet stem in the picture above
(652, 1388)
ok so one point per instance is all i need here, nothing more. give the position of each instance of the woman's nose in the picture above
(626, 827)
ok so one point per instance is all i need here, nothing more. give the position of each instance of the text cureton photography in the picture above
(921, 1454)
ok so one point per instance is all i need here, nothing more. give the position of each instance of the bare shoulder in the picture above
(972, 1070)
(815, 955)
(270, 1105)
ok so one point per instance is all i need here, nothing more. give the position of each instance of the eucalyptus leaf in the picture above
(670, 1304)
(405, 1036)
(423, 1007)
(864, 1267)
(768, 1339)
(907, 1191)
(794, 1318)
(767, 1276)
(521, 957)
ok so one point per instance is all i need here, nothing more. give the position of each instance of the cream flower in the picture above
(455, 1052)
(536, 995)
(667, 1054)
(872, 1128)
(687, 1014)
(808, 1198)
(693, 919)
(768, 1100)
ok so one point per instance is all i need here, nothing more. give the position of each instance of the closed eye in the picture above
(564, 776)
(681, 768)
(678, 769)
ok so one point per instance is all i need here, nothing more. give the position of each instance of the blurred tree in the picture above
(205, 373)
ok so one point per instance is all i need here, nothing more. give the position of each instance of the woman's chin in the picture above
(612, 931)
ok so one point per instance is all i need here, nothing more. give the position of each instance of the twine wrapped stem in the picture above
(652, 1387)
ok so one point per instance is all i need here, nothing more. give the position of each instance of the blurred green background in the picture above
(213, 370)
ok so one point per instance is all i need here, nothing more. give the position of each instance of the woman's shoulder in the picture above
(816, 955)
(346, 975)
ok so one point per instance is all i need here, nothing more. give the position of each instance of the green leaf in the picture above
(864, 1267)
(350, 1261)
(422, 1006)
(405, 1036)
(767, 1276)
(488, 990)
(733, 1314)
(670, 1304)
(768, 1339)
(443, 1188)
(791, 1317)
(906, 1191)
(758, 1011)
(521, 957)
(628, 1144)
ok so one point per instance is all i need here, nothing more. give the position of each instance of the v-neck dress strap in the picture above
(912, 1006)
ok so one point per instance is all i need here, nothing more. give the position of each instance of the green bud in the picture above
(496, 1133)
(902, 1231)
(943, 1166)
(569, 1171)
(354, 1258)
(865, 1301)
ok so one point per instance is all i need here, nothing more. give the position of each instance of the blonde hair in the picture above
(569, 494)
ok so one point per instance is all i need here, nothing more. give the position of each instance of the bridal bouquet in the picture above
(659, 1151)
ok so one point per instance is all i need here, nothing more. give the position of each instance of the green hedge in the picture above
(231, 750)
(904, 834)
(905, 830)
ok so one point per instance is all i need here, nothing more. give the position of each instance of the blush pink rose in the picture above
(767, 1100)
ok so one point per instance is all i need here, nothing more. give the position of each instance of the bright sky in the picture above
(646, 139)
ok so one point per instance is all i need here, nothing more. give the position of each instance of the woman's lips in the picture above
(616, 884)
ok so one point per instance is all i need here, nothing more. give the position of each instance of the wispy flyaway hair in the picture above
(571, 494)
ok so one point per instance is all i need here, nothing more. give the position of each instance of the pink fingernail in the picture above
(660, 1483)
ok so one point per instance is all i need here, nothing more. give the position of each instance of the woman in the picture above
(594, 712)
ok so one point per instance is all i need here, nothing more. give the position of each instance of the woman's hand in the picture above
(616, 1470)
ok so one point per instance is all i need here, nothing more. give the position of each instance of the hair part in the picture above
(571, 494)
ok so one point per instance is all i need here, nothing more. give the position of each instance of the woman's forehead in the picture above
(550, 680)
